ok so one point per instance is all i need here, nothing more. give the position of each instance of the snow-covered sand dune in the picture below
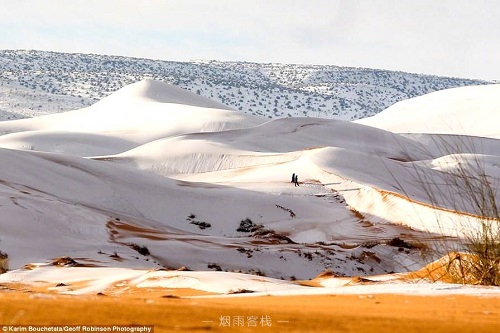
(472, 110)
(118, 282)
(153, 176)
(134, 115)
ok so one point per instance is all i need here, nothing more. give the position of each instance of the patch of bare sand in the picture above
(346, 313)
(119, 290)
(451, 268)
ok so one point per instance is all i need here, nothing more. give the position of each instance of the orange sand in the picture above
(352, 313)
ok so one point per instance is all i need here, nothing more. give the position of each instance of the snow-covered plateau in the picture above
(38, 82)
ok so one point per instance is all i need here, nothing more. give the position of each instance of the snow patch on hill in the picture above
(35, 83)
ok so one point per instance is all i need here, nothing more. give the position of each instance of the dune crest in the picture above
(469, 110)
(161, 92)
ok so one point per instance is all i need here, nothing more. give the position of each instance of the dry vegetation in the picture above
(475, 257)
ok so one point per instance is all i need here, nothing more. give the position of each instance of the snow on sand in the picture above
(153, 177)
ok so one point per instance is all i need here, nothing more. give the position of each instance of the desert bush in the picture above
(465, 186)
(201, 224)
(215, 267)
(240, 291)
(4, 262)
(65, 262)
(141, 249)
(247, 225)
(398, 242)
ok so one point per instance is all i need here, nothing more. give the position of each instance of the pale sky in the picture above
(444, 37)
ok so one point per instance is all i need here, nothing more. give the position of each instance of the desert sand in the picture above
(326, 313)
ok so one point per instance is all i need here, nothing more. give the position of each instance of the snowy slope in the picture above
(136, 114)
(471, 110)
(154, 177)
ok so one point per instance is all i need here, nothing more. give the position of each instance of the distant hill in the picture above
(36, 82)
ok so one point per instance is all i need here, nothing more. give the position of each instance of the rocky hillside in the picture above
(36, 82)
